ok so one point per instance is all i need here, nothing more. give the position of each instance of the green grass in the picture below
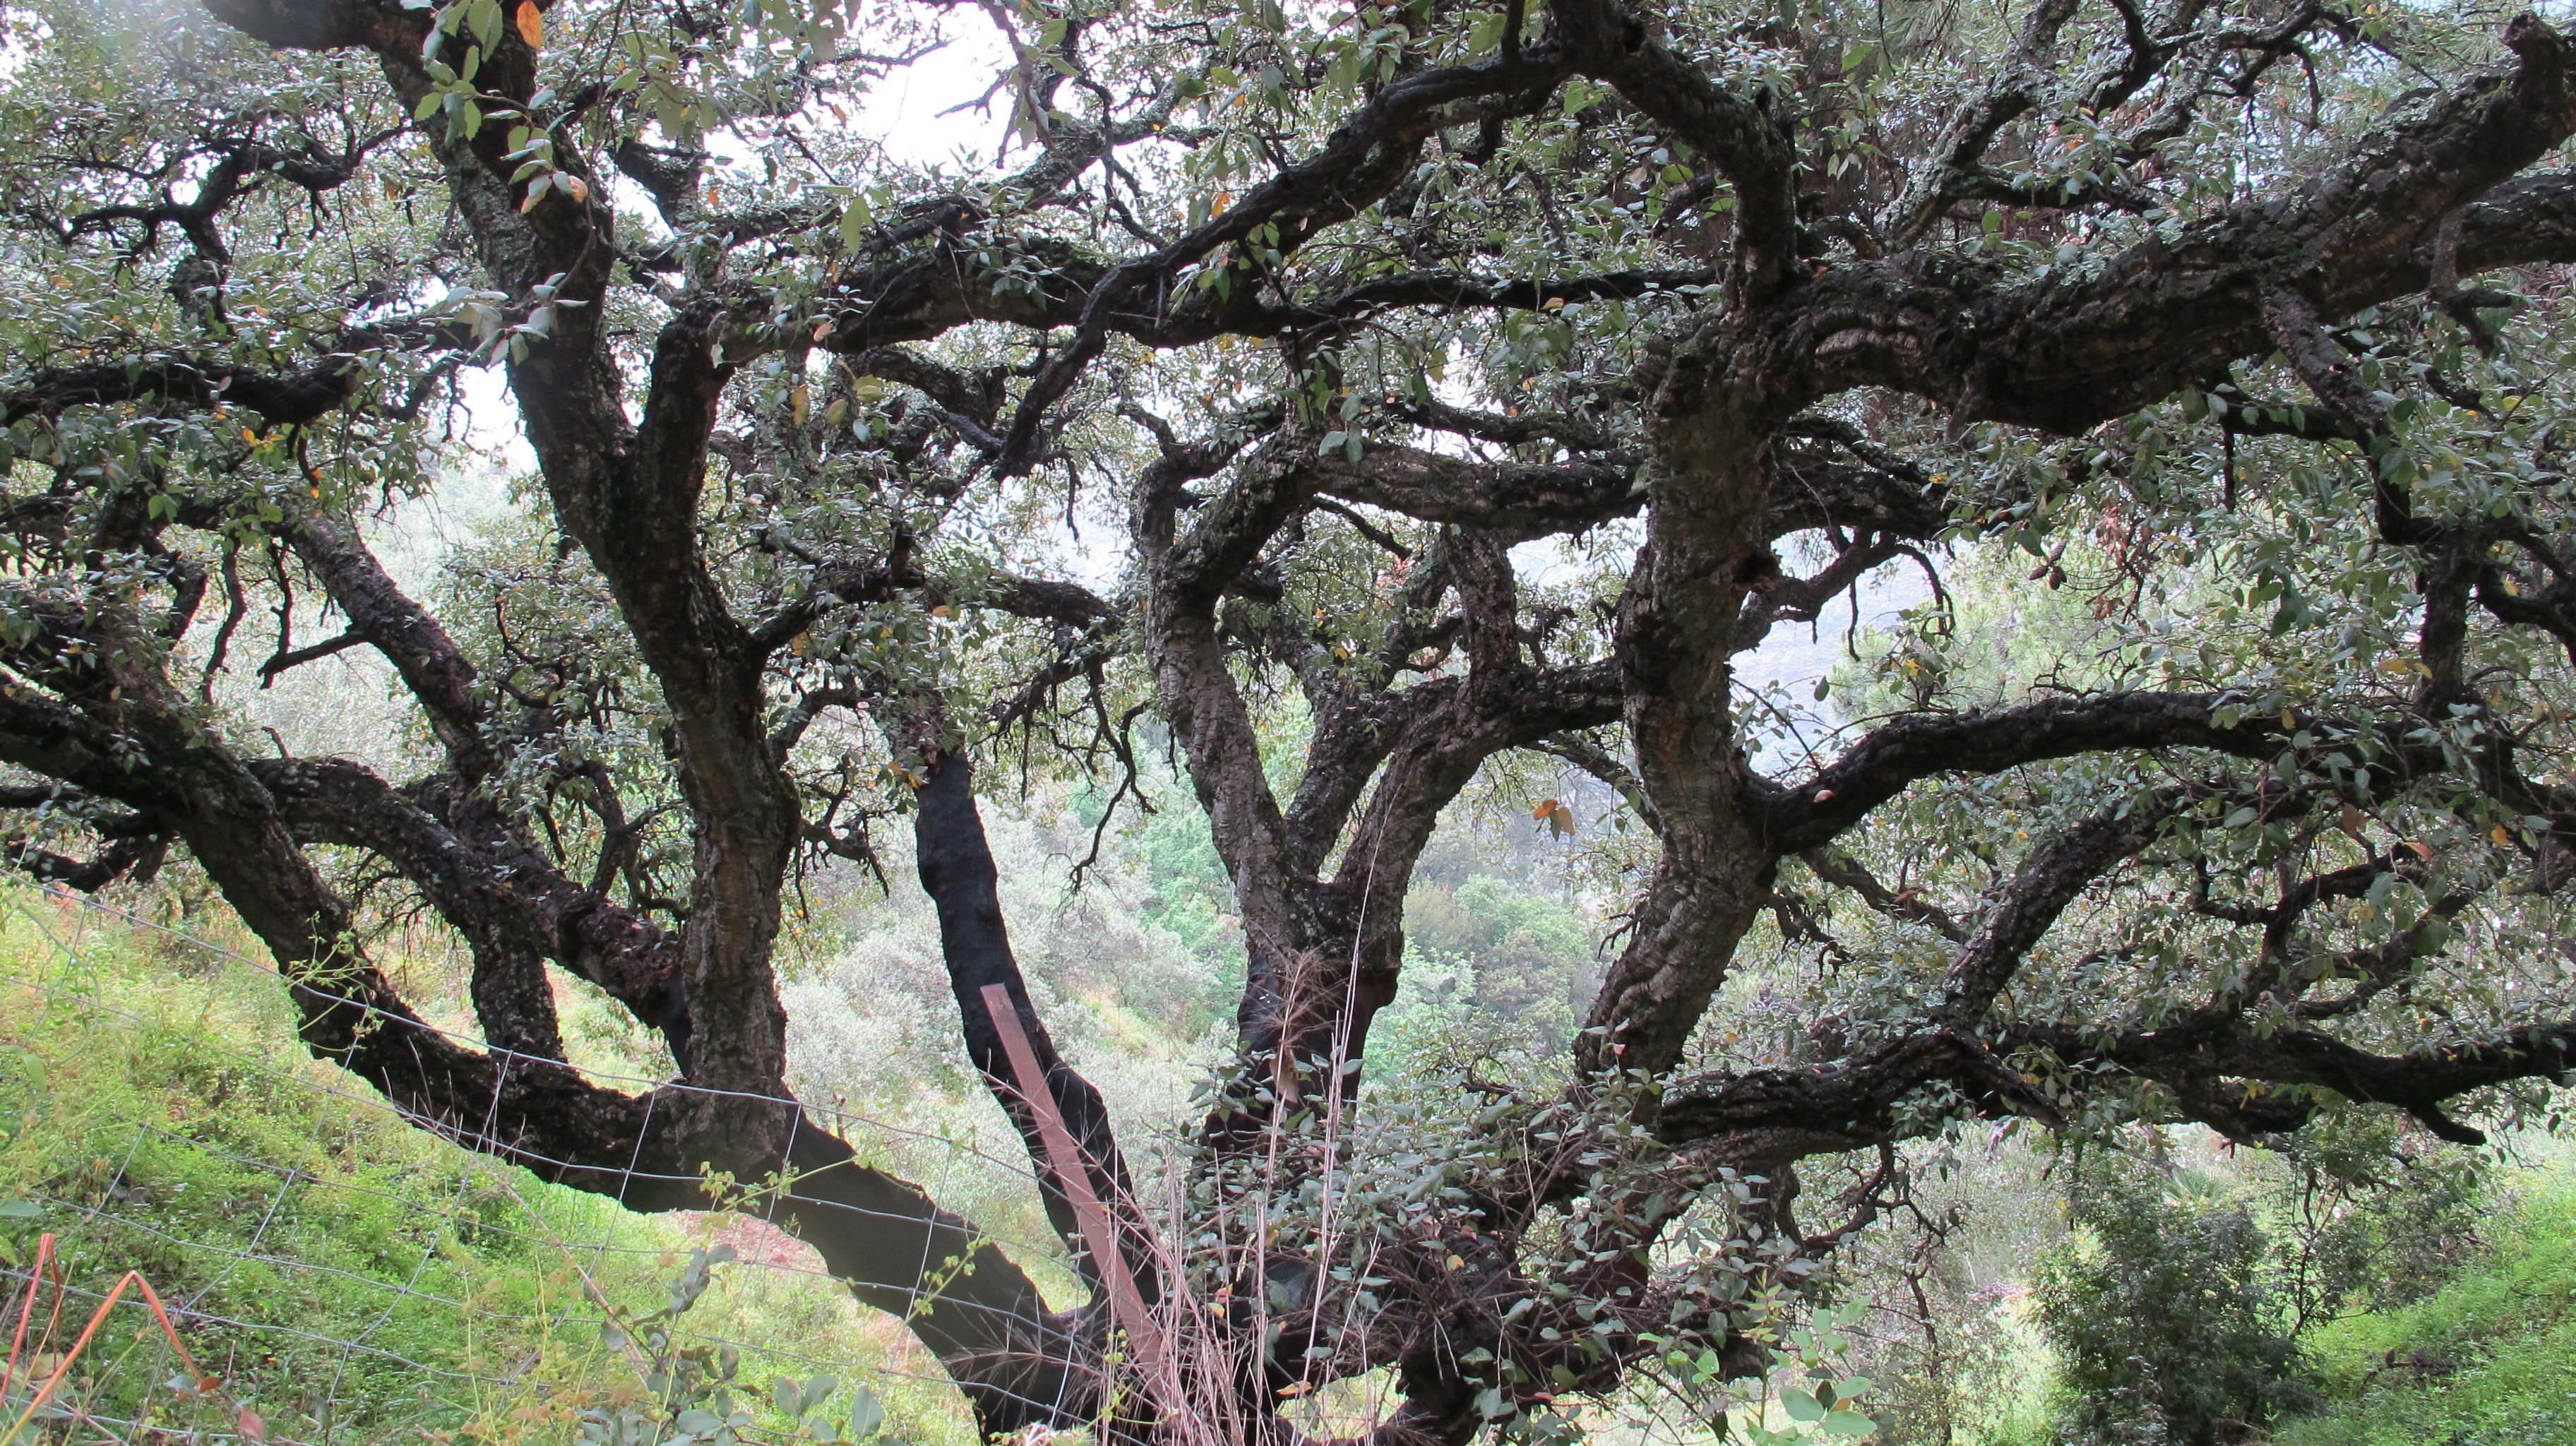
(358, 1280)
(352, 1277)
(2489, 1360)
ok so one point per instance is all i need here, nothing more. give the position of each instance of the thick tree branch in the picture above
(1886, 761)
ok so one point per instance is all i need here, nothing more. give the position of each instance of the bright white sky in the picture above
(904, 115)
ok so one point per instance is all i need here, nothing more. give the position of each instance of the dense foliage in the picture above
(2167, 1329)
(1463, 390)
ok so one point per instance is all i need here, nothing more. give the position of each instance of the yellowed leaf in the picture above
(532, 26)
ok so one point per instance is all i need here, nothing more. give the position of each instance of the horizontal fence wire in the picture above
(612, 1266)
(842, 1120)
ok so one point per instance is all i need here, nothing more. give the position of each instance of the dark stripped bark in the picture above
(956, 866)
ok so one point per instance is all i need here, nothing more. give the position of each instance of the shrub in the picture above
(2161, 1312)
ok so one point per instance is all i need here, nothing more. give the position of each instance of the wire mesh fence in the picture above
(206, 1235)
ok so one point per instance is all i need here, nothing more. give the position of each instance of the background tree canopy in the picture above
(1367, 412)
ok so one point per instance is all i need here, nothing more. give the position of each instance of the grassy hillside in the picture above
(352, 1278)
(2489, 1360)
(356, 1280)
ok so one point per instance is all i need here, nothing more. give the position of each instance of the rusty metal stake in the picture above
(1073, 1176)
